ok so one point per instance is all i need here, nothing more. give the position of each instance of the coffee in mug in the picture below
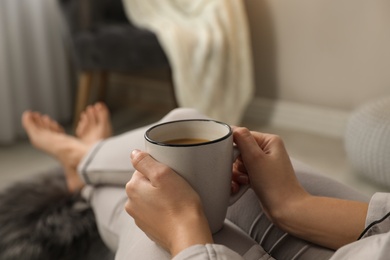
(186, 141)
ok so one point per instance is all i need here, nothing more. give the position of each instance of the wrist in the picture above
(191, 229)
(287, 206)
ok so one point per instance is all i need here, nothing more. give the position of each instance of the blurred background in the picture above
(316, 63)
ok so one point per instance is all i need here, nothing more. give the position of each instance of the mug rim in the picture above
(150, 140)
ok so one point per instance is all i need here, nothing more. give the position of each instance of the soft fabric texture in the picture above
(208, 47)
(41, 220)
(106, 40)
(367, 141)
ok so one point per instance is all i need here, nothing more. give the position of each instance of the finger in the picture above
(136, 189)
(135, 183)
(247, 144)
(239, 166)
(149, 167)
(235, 187)
(240, 178)
(128, 206)
(269, 143)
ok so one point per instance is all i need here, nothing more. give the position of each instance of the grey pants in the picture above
(107, 168)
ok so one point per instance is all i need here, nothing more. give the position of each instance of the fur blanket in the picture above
(40, 220)
(208, 46)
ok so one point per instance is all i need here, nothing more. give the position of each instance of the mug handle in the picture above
(243, 188)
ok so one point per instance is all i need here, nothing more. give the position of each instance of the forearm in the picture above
(329, 222)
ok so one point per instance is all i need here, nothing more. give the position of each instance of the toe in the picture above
(46, 121)
(102, 112)
(27, 118)
(83, 121)
(91, 115)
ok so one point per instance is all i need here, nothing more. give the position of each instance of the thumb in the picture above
(149, 167)
(248, 146)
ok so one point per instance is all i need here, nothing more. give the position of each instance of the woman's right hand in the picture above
(165, 206)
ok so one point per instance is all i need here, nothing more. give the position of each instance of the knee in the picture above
(184, 113)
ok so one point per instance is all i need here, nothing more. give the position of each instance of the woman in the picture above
(167, 217)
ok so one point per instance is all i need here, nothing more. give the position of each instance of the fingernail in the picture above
(134, 153)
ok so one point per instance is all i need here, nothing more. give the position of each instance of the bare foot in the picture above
(94, 124)
(46, 135)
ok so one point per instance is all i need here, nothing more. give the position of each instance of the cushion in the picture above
(367, 141)
(120, 47)
(105, 39)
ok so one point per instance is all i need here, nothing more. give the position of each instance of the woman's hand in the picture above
(329, 222)
(265, 160)
(239, 177)
(165, 206)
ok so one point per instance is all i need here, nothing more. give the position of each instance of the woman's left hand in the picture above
(165, 206)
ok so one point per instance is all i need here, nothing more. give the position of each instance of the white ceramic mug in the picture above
(206, 165)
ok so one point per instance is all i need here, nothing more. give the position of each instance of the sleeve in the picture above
(221, 252)
(373, 247)
(374, 243)
(208, 252)
(378, 220)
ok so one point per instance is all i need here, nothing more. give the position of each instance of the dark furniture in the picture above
(105, 41)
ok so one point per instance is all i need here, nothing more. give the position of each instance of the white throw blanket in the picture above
(208, 46)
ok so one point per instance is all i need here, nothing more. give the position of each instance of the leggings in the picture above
(107, 167)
